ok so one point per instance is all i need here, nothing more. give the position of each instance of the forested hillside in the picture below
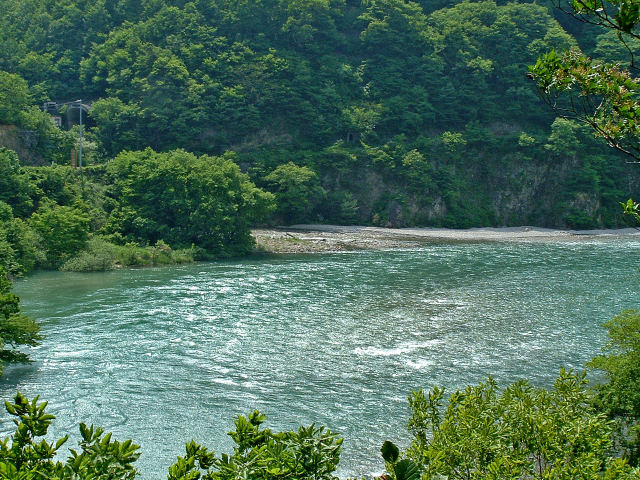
(384, 112)
(204, 118)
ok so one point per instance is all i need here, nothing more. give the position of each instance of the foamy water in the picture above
(167, 355)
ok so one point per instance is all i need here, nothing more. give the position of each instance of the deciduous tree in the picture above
(16, 329)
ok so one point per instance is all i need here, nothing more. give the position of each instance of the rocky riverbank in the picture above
(334, 238)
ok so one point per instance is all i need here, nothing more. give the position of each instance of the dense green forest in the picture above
(382, 112)
(211, 116)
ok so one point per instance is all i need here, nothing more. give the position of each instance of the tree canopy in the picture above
(16, 329)
(348, 89)
(184, 200)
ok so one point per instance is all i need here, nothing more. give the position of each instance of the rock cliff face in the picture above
(22, 142)
(495, 192)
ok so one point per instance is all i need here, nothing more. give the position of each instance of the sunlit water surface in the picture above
(166, 355)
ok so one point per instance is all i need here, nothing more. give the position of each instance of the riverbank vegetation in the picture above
(142, 208)
(16, 328)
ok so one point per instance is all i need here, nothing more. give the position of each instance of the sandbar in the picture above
(314, 238)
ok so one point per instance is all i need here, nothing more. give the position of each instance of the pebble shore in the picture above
(336, 238)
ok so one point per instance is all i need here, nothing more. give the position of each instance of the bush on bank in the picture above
(100, 255)
(310, 453)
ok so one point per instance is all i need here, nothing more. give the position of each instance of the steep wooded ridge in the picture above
(384, 112)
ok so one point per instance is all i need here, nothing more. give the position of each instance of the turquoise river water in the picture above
(166, 355)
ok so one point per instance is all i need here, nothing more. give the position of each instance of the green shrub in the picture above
(297, 191)
(619, 396)
(522, 432)
(22, 456)
(311, 453)
(16, 329)
(101, 255)
(98, 256)
(64, 231)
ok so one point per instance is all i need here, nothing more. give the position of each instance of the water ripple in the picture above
(169, 354)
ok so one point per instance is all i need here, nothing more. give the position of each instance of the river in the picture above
(165, 355)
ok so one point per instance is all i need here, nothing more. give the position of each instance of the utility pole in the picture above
(78, 104)
(80, 146)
